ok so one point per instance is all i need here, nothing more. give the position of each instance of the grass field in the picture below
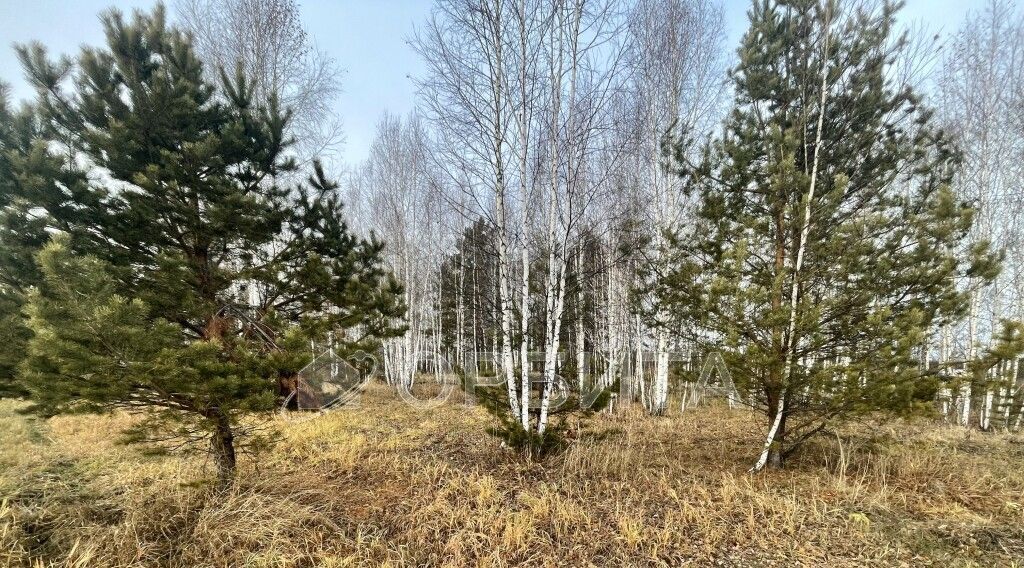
(385, 484)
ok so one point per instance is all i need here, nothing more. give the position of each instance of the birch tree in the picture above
(267, 39)
(466, 97)
(677, 66)
(517, 92)
(980, 88)
(395, 196)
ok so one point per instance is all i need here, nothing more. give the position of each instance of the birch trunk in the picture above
(523, 118)
(794, 297)
(580, 338)
(945, 394)
(966, 389)
(508, 366)
(551, 358)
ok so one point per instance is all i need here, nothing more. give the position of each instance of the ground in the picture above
(387, 484)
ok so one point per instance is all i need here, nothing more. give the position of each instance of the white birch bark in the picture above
(945, 393)
(805, 227)
(556, 274)
(581, 361)
(966, 389)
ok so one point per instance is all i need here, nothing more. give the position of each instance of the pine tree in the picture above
(169, 186)
(14, 336)
(828, 240)
(22, 232)
(93, 351)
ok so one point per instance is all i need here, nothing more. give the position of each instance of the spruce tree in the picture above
(166, 189)
(828, 241)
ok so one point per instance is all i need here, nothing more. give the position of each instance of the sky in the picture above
(367, 38)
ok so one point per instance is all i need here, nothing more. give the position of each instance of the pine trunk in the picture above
(222, 445)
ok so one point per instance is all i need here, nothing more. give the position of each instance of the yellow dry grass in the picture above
(387, 485)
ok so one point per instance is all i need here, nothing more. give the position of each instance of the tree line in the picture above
(592, 183)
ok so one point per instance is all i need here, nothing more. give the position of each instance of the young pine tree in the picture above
(207, 276)
(828, 240)
(93, 350)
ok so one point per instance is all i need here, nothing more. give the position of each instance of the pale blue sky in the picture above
(366, 37)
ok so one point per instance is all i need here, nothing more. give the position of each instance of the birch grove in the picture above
(396, 193)
(980, 86)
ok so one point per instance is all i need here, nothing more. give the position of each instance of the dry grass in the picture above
(384, 484)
